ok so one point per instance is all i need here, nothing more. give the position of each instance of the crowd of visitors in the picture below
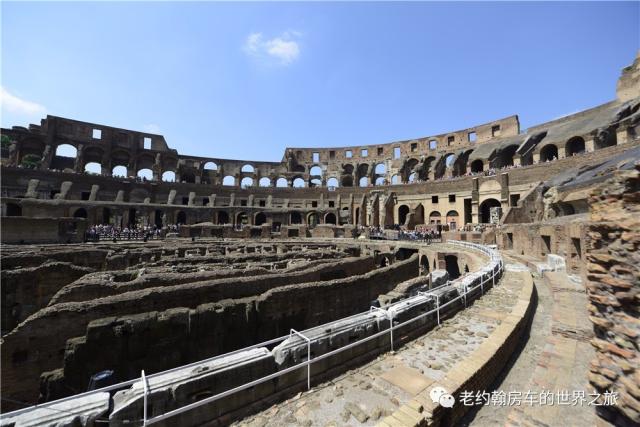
(132, 232)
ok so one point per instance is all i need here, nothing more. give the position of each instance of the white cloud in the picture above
(151, 128)
(14, 104)
(284, 48)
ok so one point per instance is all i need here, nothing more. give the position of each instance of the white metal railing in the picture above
(493, 255)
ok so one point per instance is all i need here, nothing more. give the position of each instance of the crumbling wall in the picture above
(613, 286)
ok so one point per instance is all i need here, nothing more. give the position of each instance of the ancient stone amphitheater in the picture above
(413, 283)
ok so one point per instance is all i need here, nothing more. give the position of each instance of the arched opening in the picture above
(242, 219)
(395, 179)
(247, 168)
(347, 181)
(330, 218)
(485, 210)
(181, 218)
(435, 218)
(298, 183)
(332, 182)
(158, 219)
(477, 166)
(133, 217)
(505, 158)
(169, 176)
(315, 171)
(380, 169)
(312, 219)
(223, 217)
(106, 216)
(548, 153)
(449, 159)
(403, 212)
(574, 146)
(246, 182)
(452, 220)
(119, 171)
(315, 182)
(424, 265)
(295, 218)
(364, 182)
(413, 178)
(229, 180)
(357, 213)
(451, 265)
(260, 219)
(145, 174)
(282, 182)
(93, 168)
(419, 214)
(210, 166)
(66, 150)
(188, 177)
(380, 181)
(80, 213)
(264, 182)
(14, 209)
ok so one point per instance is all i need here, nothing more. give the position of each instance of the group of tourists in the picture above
(131, 232)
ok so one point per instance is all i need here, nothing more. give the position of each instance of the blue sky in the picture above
(245, 80)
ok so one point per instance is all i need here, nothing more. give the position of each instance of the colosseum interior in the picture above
(339, 286)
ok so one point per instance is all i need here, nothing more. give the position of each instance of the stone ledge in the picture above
(475, 373)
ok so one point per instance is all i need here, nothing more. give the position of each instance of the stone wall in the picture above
(613, 286)
(20, 229)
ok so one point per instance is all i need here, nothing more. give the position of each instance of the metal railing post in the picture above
(146, 391)
(293, 331)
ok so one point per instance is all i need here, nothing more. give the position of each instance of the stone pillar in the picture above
(622, 136)
(536, 158)
(589, 146)
(562, 152)
(517, 160)
(475, 198)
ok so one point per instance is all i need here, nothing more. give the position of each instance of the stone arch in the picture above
(145, 174)
(247, 168)
(223, 217)
(246, 182)
(295, 218)
(188, 177)
(380, 181)
(210, 166)
(282, 182)
(145, 161)
(395, 179)
(505, 157)
(332, 182)
(260, 218)
(315, 182)
(574, 146)
(380, 169)
(435, 217)
(330, 218)
(66, 150)
(80, 213)
(347, 181)
(548, 153)
(93, 168)
(264, 182)
(419, 214)
(93, 154)
(298, 182)
(477, 166)
(451, 265)
(403, 214)
(312, 219)
(181, 218)
(424, 265)
(364, 181)
(169, 176)
(413, 177)
(315, 171)
(242, 218)
(229, 181)
(119, 171)
(452, 220)
(485, 209)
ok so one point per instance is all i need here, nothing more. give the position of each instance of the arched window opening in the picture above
(264, 182)
(246, 182)
(210, 166)
(298, 183)
(395, 179)
(452, 220)
(145, 174)
(169, 176)
(548, 153)
(380, 169)
(380, 180)
(93, 168)
(223, 218)
(364, 182)
(229, 181)
(261, 218)
(315, 182)
(449, 159)
(574, 146)
(332, 182)
(315, 171)
(247, 168)
(424, 265)
(312, 220)
(330, 218)
(296, 218)
(477, 166)
(282, 182)
(347, 181)
(485, 211)
(66, 150)
(119, 171)
(403, 213)
(435, 218)
(451, 264)
(80, 213)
